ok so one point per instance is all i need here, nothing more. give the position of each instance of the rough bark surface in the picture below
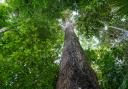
(75, 71)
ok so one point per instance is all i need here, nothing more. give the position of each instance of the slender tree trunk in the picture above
(75, 71)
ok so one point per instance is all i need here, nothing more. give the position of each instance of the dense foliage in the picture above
(33, 39)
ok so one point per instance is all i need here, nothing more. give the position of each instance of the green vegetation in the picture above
(32, 41)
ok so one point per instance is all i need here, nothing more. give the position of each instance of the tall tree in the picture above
(75, 71)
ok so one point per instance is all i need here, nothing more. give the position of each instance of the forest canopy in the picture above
(31, 41)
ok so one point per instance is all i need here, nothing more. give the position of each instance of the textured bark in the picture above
(75, 71)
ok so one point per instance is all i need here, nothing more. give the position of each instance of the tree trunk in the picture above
(75, 71)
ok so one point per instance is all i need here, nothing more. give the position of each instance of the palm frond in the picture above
(122, 4)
